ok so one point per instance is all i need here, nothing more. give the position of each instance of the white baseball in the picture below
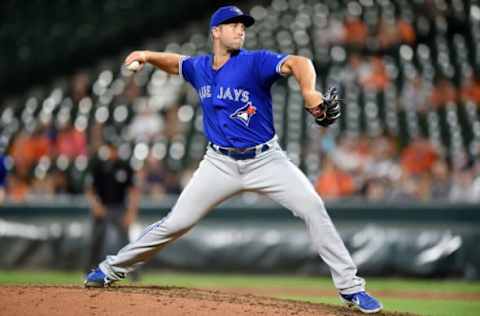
(134, 66)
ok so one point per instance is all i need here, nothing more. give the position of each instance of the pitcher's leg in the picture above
(285, 183)
(123, 239)
(211, 184)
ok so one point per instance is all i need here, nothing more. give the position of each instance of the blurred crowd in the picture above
(52, 155)
(377, 169)
(53, 158)
(406, 69)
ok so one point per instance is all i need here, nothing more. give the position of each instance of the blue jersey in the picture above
(236, 99)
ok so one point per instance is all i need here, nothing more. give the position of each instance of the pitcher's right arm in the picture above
(167, 62)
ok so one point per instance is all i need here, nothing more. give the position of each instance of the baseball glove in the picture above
(329, 111)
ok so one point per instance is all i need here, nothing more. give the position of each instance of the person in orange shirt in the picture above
(23, 151)
(418, 157)
(41, 144)
(356, 31)
(443, 92)
(471, 89)
(71, 142)
(29, 147)
(333, 182)
(407, 32)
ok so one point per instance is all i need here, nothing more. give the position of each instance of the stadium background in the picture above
(400, 172)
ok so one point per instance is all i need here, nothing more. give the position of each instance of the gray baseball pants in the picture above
(219, 177)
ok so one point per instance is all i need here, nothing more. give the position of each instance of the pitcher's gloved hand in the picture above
(329, 110)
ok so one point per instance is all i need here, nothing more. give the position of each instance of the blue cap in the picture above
(230, 14)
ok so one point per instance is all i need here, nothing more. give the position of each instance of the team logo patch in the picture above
(245, 113)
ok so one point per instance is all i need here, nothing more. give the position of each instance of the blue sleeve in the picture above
(186, 69)
(269, 65)
(3, 171)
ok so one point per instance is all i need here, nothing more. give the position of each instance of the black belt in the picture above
(241, 154)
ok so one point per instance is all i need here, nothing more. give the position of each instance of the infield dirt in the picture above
(152, 300)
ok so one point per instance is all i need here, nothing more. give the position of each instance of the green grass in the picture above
(378, 284)
(418, 306)
(39, 277)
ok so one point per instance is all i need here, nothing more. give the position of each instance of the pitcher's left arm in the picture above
(325, 109)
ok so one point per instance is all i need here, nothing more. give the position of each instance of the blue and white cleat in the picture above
(97, 278)
(362, 301)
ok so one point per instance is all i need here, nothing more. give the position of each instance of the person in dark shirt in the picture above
(113, 197)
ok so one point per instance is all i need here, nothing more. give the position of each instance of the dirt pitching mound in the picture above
(152, 300)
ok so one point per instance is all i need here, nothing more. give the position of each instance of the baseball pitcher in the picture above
(243, 154)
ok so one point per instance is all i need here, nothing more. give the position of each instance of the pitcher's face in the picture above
(231, 35)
